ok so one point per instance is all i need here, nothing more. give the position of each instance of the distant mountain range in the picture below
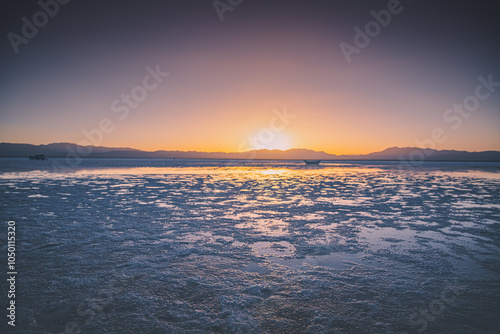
(62, 150)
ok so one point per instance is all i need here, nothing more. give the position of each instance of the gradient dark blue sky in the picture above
(227, 77)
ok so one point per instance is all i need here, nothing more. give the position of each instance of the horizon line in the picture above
(253, 150)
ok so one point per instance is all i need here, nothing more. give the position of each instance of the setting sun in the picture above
(276, 141)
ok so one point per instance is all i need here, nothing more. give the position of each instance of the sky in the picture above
(235, 75)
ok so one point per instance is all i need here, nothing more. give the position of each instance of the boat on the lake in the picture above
(312, 162)
(37, 157)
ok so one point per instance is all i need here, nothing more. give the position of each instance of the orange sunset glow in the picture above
(218, 85)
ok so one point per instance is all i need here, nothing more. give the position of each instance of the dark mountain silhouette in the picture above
(63, 150)
(418, 154)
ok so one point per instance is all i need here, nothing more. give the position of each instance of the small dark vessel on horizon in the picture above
(37, 157)
(312, 162)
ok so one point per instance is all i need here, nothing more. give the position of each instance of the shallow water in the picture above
(162, 246)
